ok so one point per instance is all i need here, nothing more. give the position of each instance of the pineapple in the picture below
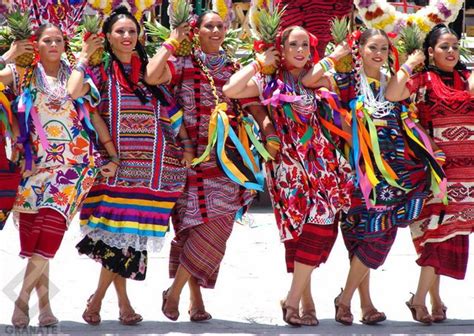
(91, 25)
(410, 40)
(339, 31)
(179, 11)
(20, 27)
(6, 39)
(157, 34)
(265, 23)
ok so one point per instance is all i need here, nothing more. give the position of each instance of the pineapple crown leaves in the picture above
(19, 24)
(265, 23)
(156, 31)
(92, 23)
(339, 29)
(179, 11)
(410, 39)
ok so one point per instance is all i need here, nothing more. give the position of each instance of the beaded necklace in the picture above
(213, 62)
(306, 105)
(378, 106)
(56, 94)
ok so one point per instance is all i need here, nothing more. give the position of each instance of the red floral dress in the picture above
(309, 181)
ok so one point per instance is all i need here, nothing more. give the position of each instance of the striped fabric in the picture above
(448, 257)
(41, 233)
(10, 177)
(315, 16)
(312, 247)
(200, 249)
(205, 213)
(126, 214)
(369, 232)
(138, 210)
(451, 125)
(372, 252)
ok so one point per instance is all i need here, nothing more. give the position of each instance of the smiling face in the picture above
(296, 48)
(374, 52)
(445, 52)
(211, 32)
(123, 36)
(50, 45)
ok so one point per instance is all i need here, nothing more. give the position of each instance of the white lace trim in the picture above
(124, 240)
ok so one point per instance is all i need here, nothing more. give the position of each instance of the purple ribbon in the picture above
(274, 90)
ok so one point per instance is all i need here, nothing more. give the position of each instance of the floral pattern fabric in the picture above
(64, 171)
(309, 181)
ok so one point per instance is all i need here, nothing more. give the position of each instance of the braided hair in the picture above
(119, 13)
(432, 39)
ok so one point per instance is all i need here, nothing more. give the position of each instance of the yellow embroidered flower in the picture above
(54, 131)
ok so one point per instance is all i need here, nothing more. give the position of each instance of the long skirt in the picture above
(200, 249)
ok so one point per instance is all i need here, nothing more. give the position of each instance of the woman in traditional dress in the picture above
(309, 181)
(125, 213)
(220, 184)
(393, 182)
(442, 93)
(59, 166)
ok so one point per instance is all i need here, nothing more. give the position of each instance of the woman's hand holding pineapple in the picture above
(342, 49)
(269, 58)
(93, 43)
(18, 48)
(416, 58)
(181, 32)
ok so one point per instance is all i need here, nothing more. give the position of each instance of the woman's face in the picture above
(375, 51)
(445, 52)
(123, 36)
(296, 49)
(211, 32)
(50, 45)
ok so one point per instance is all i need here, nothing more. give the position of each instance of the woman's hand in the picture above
(340, 51)
(27, 172)
(109, 169)
(181, 32)
(270, 57)
(18, 48)
(416, 58)
(188, 157)
(90, 45)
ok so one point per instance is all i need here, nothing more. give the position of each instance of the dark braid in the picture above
(70, 56)
(391, 62)
(357, 61)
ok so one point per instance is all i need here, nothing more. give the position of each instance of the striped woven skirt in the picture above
(201, 248)
(312, 247)
(120, 223)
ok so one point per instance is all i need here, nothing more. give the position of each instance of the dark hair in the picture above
(40, 30)
(371, 32)
(288, 30)
(119, 13)
(368, 33)
(201, 17)
(432, 39)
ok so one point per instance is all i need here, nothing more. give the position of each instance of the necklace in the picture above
(378, 106)
(308, 102)
(214, 62)
(55, 93)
